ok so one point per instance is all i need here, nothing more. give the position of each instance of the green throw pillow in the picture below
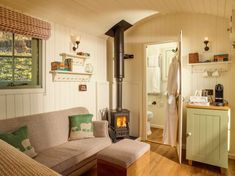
(80, 126)
(19, 139)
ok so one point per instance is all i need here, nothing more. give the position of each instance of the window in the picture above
(20, 61)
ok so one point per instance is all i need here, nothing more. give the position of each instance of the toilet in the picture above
(149, 118)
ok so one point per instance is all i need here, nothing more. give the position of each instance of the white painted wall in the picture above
(195, 27)
(62, 95)
(159, 110)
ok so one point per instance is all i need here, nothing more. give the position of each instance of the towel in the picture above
(154, 80)
(153, 61)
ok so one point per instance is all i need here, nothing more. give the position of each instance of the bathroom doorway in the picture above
(158, 59)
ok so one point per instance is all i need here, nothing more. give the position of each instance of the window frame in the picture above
(24, 90)
(40, 79)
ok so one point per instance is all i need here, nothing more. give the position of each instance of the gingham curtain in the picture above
(19, 23)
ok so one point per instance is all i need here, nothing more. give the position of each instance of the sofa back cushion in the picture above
(44, 130)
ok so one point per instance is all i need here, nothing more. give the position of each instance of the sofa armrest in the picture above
(14, 162)
(100, 128)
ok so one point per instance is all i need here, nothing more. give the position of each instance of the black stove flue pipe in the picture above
(117, 32)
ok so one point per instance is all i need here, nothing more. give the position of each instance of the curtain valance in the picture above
(19, 23)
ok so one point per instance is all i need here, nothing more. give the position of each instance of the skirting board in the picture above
(157, 126)
(231, 156)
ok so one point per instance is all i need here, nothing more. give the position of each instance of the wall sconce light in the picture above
(76, 41)
(233, 44)
(76, 46)
(206, 41)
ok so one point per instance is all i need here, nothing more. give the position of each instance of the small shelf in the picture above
(210, 66)
(209, 63)
(77, 60)
(68, 72)
(65, 55)
(68, 76)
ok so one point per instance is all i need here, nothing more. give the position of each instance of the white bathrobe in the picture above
(171, 120)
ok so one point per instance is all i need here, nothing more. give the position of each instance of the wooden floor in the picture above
(164, 162)
(156, 136)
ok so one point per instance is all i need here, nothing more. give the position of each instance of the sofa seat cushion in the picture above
(65, 156)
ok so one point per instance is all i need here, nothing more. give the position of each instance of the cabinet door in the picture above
(207, 136)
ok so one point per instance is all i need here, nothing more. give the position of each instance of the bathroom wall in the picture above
(165, 28)
(158, 110)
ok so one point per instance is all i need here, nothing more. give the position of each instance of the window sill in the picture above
(22, 91)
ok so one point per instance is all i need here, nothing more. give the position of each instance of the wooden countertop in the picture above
(225, 108)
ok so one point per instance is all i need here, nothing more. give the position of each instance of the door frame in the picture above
(180, 102)
(144, 88)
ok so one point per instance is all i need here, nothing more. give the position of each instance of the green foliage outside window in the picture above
(19, 60)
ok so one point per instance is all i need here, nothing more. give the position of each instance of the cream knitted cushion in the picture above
(100, 128)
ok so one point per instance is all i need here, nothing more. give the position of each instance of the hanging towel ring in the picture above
(174, 50)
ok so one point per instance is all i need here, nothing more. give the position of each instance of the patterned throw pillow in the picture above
(81, 126)
(19, 139)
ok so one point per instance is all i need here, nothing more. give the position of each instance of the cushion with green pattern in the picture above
(80, 126)
(19, 139)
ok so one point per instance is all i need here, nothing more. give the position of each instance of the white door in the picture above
(180, 103)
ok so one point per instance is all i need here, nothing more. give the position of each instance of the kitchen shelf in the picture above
(210, 63)
(68, 76)
(210, 66)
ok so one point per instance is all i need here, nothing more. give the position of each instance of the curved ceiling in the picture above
(97, 16)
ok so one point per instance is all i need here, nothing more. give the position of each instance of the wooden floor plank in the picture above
(156, 136)
(163, 162)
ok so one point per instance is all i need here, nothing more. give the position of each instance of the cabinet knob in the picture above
(189, 134)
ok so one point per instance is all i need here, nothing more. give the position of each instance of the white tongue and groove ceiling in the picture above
(98, 16)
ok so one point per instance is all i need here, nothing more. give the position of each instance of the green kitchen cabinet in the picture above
(207, 135)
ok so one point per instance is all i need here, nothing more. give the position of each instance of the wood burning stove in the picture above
(119, 123)
(119, 118)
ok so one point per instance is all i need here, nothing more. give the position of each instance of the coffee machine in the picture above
(219, 95)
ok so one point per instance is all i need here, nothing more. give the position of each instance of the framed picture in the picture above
(82, 87)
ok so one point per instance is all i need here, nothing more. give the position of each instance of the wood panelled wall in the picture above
(165, 28)
(61, 95)
(131, 97)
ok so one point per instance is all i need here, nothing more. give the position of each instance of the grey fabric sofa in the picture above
(48, 133)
